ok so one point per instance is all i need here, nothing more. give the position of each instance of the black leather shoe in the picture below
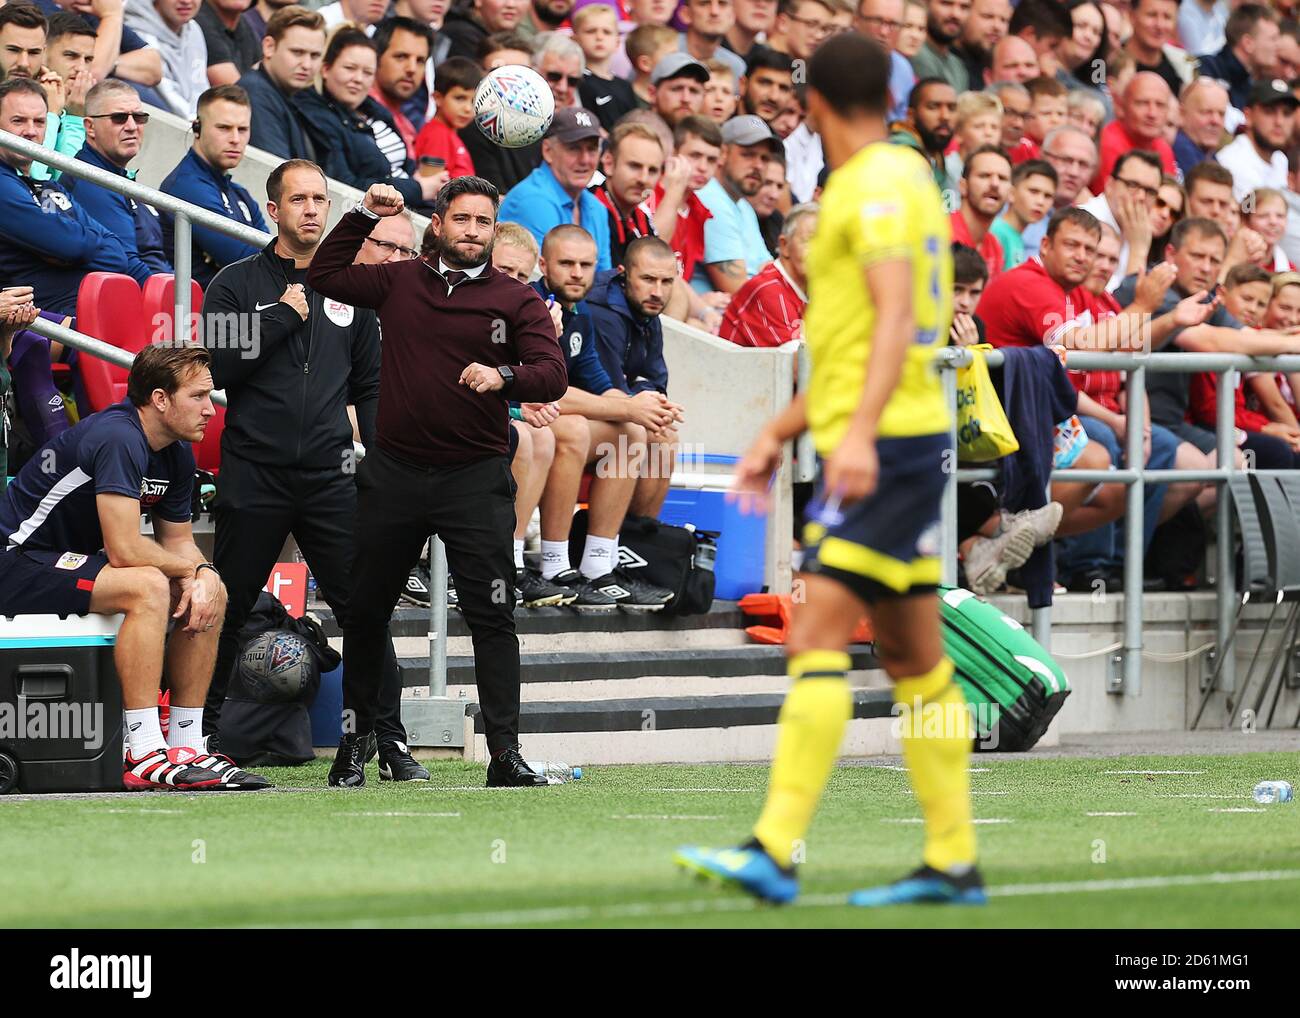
(349, 767)
(397, 764)
(508, 770)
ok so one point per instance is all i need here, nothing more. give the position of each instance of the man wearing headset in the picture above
(221, 132)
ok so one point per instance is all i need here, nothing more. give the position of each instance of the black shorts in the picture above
(48, 582)
(886, 545)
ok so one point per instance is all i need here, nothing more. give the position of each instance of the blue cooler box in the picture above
(741, 561)
(60, 704)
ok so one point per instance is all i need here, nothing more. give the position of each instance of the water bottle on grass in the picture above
(1267, 792)
(556, 773)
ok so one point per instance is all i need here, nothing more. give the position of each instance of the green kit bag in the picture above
(1011, 683)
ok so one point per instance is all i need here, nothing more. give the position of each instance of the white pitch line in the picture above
(1198, 795)
(733, 791)
(896, 767)
(712, 904)
(1237, 809)
(1153, 772)
(919, 820)
(1110, 814)
(396, 813)
(663, 816)
(133, 811)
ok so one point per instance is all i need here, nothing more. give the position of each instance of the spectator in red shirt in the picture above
(1049, 106)
(679, 215)
(1141, 118)
(456, 79)
(768, 309)
(1248, 292)
(985, 186)
(1045, 302)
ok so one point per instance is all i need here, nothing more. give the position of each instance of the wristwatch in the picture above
(206, 565)
(507, 376)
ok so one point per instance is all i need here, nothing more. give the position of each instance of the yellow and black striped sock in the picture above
(812, 722)
(937, 735)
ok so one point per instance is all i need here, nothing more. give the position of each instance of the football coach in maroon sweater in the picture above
(460, 340)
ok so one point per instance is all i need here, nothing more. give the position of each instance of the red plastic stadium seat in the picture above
(207, 454)
(159, 305)
(109, 307)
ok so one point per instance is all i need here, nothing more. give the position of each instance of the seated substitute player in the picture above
(71, 525)
(880, 301)
(598, 423)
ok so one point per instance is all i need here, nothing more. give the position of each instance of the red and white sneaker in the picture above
(233, 778)
(168, 769)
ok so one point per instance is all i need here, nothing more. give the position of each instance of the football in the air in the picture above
(513, 106)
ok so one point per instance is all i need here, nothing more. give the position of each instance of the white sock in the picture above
(143, 734)
(185, 727)
(519, 552)
(555, 558)
(599, 556)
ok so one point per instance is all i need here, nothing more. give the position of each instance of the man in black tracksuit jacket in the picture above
(291, 361)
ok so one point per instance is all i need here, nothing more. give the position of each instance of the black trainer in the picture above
(397, 764)
(418, 586)
(349, 767)
(588, 598)
(631, 593)
(453, 599)
(536, 592)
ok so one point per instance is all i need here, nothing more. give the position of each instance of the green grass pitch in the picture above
(1189, 849)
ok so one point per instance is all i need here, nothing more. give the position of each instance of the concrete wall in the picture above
(1170, 694)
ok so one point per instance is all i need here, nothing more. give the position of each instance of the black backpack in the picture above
(679, 559)
(256, 734)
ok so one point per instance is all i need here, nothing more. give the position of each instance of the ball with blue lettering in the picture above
(513, 106)
(278, 667)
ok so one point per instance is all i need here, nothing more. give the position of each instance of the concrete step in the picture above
(664, 713)
(732, 727)
(585, 666)
(409, 621)
(635, 642)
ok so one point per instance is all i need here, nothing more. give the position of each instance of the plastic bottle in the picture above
(556, 773)
(1272, 791)
(705, 556)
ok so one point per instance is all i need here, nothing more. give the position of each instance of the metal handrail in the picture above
(1127, 676)
(122, 185)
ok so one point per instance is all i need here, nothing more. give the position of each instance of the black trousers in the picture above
(257, 508)
(472, 508)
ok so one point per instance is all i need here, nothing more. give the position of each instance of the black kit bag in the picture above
(679, 559)
(255, 733)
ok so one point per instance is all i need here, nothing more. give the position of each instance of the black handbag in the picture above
(679, 559)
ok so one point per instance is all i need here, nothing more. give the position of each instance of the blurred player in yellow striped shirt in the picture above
(880, 302)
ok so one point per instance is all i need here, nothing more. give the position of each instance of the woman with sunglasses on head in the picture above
(354, 134)
(1167, 209)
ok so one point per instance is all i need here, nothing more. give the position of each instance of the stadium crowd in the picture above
(1119, 175)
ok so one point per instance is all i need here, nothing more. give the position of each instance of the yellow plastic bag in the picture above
(983, 431)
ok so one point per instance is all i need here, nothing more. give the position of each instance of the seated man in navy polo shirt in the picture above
(599, 423)
(552, 194)
(70, 528)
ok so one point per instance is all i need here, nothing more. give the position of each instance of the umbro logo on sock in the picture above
(184, 724)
